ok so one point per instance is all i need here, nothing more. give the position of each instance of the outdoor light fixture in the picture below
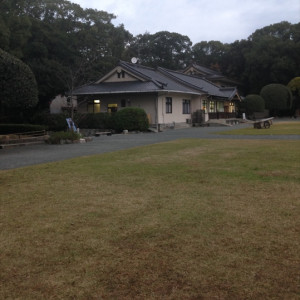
(96, 101)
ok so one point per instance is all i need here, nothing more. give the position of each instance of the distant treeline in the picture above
(66, 46)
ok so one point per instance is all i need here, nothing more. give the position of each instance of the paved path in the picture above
(31, 155)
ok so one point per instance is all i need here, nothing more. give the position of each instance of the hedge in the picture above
(19, 128)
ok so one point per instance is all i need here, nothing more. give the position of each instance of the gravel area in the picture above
(11, 158)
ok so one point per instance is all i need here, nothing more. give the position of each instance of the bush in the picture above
(53, 122)
(19, 128)
(90, 121)
(57, 137)
(131, 119)
(254, 103)
(18, 87)
(278, 98)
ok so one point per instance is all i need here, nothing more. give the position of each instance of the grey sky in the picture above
(201, 20)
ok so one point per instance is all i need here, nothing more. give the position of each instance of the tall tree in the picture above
(209, 53)
(166, 49)
(57, 38)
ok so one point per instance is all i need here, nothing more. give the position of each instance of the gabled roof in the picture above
(145, 80)
(205, 85)
(208, 73)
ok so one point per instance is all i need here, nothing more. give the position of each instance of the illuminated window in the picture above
(204, 105)
(94, 106)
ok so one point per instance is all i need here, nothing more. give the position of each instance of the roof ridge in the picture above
(133, 70)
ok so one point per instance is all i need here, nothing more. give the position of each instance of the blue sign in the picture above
(71, 124)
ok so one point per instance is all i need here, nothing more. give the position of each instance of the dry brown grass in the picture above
(192, 219)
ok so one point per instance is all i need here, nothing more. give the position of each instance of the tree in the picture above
(278, 98)
(272, 57)
(294, 86)
(253, 103)
(56, 38)
(209, 53)
(165, 49)
(18, 87)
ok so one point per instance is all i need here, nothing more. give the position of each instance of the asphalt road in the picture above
(38, 154)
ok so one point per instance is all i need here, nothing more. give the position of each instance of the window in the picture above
(121, 74)
(94, 106)
(168, 105)
(204, 105)
(212, 106)
(220, 106)
(186, 106)
(123, 103)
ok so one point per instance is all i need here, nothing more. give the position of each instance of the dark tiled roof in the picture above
(207, 71)
(156, 80)
(205, 85)
(116, 87)
(210, 74)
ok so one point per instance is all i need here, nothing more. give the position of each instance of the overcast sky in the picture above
(201, 20)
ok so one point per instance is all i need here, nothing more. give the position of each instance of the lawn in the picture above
(188, 219)
(280, 128)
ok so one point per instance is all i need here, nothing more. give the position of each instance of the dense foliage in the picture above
(60, 136)
(278, 98)
(63, 44)
(294, 86)
(18, 88)
(96, 121)
(253, 103)
(66, 45)
(19, 128)
(131, 118)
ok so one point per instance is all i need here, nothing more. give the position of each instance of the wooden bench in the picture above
(99, 133)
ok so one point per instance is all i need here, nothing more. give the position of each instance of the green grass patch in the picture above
(188, 219)
(282, 128)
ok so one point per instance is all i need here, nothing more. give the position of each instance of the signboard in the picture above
(71, 124)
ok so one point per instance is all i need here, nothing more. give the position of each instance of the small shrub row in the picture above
(130, 118)
(19, 128)
(88, 121)
(58, 137)
(53, 122)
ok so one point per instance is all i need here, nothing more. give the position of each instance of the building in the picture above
(168, 97)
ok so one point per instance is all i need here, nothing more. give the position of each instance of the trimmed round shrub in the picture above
(18, 87)
(277, 97)
(131, 119)
(254, 103)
